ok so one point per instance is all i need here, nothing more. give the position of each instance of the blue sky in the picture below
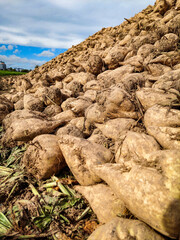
(27, 57)
(33, 32)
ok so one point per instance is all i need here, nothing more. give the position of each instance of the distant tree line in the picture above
(16, 70)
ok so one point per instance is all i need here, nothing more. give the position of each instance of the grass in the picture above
(9, 73)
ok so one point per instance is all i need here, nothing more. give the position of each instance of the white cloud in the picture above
(15, 61)
(70, 4)
(10, 47)
(61, 23)
(16, 30)
(3, 48)
(40, 41)
(15, 51)
(45, 54)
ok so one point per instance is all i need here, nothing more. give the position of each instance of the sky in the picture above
(33, 32)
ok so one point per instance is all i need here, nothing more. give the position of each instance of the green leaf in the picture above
(49, 185)
(63, 189)
(5, 224)
(12, 190)
(64, 218)
(1, 129)
(42, 221)
(54, 192)
(34, 191)
(4, 171)
(74, 201)
(49, 208)
(83, 214)
(65, 203)
(15, 155)
(71, 191)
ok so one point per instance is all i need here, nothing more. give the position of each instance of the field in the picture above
(8, 73)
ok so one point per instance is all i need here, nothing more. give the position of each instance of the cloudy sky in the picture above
(33, 32)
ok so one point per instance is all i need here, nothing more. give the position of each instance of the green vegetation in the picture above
(8, 73)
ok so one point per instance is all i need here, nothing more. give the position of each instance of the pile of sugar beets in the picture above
(109, 109)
